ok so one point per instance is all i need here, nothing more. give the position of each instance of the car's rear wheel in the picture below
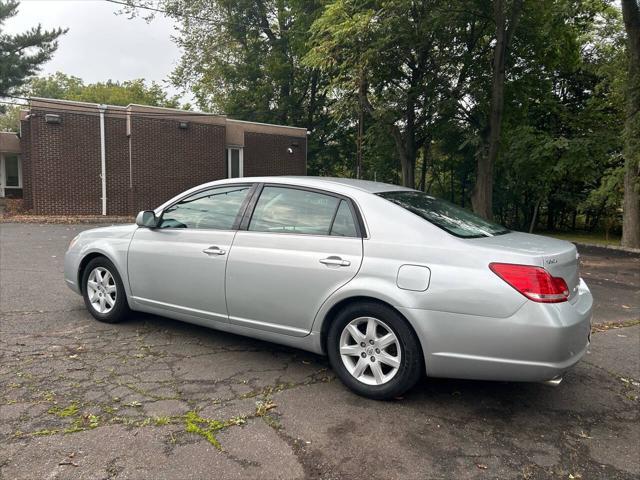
(103, 291)
(373, 351)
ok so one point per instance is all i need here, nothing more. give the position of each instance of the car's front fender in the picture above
(114, 246)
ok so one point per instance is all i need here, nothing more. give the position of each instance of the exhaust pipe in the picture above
(554, 382)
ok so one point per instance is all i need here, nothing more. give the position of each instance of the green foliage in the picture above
(207, 428)
(419, 74)
(22, 55)
(67, 87)
(10, 118)
(243, 58)
(68, 411)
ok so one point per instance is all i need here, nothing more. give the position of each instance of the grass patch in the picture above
(207, 428)
(69, 411)
(44, 432)
(160, 421)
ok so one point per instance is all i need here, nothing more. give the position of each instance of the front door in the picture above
(299, 247)
(180, 266)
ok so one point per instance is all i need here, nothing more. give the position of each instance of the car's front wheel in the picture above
(103, 291)
(373, 351)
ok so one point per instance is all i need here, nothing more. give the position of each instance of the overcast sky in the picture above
(101, 45)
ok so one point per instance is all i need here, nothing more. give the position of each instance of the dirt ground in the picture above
(156, 398)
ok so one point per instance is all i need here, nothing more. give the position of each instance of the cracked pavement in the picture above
(156, 398)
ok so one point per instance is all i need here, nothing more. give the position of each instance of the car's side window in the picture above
(343, 223)
(216, 208)
(290, 210)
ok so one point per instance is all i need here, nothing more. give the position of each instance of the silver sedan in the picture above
(389, 282)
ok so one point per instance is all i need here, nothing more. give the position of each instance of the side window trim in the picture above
(357, 216)
(355, 212)
(251, 206)
(333, 219)
(241, 211)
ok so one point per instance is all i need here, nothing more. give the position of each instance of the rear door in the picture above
(180, 266)
(297, 247)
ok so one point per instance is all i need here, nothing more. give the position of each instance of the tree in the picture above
(242, 58)
(67, 87)
(482, 197)
(22, 55)
(403, 60)
(631, 208)
(522, 100)
(9, 118)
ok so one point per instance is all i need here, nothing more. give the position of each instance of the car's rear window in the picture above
(451, 218)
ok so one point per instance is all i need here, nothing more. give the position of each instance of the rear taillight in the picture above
(535, 283)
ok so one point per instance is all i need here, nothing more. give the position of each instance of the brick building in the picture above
(86, 159)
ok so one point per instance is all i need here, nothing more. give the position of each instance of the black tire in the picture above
(120, 310)
(411, 363)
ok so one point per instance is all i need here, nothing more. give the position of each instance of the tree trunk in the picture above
(426, 156)
(550, 216)
(534, 216)
(360, 136)
(482, 196)
(406, 149)
(631, 204)
(406, 144)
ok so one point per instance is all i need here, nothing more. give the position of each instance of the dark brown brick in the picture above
(61, 163)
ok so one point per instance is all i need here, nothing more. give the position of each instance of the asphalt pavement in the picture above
(157, 398)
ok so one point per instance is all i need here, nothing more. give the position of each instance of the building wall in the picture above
(64, 164)
(265, 154)
(149, 159)
(25, 156)
(167, 160)
(117, 166)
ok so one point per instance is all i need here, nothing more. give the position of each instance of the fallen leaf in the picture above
(584, 435)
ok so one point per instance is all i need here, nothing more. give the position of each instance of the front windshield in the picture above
(449, 217)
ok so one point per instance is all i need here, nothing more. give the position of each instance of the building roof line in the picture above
(233, 120)
(56, 101)
(131, 108)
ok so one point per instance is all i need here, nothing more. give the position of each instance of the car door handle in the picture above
(214, 251)
(335, 261)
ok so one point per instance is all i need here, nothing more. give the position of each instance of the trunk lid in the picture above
(558, 257)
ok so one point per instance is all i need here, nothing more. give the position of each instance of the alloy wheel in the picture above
(370, 351)
(101, 290)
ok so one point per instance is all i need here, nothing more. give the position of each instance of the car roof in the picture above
(366, 185)
(324, 182)
(342, 186)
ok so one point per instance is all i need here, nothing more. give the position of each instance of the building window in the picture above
(235, 164)
(10, 173)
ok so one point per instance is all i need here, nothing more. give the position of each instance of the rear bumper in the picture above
(539, 342)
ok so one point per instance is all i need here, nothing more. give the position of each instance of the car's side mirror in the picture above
(147, 219)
